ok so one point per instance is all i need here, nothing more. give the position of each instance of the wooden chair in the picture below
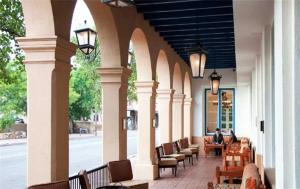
(164, 162)
(168, 152)
(84, 180)
(187, 153)
(52, 185)
(121, 174)
(233, 161)
(184, 145)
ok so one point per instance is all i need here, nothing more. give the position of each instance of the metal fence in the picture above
(97, 177)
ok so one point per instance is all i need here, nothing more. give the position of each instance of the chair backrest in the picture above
(159, 152)
(184, 142)
(84, 180)
(120, 170)
(168, 148)
(52, 185)
(233, 161)
(176, 146)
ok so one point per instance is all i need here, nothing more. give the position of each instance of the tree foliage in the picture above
(131, 93)
(85, 93)
(12, 72)
(85, 90)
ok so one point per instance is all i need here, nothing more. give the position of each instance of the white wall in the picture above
(243, 109)
(198, 87)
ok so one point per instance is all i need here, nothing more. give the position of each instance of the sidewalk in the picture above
(7, 142)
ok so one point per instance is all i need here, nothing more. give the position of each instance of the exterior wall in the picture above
(198, 87)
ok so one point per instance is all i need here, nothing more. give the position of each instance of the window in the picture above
(219, 111)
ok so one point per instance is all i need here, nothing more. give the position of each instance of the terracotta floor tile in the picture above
(192, 177)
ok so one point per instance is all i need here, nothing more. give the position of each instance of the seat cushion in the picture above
(226, 186)
(133, 184)
(186, 152)
(193, 150)
(178, 157)
(250, 171)
(167, 161)
(194, 146)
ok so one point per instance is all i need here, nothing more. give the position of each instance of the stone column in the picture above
(48, 68)
(188, 118)
(177, 116)
(114, 83)
(164, 106)
(146, 167)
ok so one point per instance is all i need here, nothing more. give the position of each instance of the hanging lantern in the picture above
(118, 3)
(86, 39)
(215, 79)
(197, 61)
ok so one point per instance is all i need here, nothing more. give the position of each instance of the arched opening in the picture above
(163, 112)
(145, 89)
(177, 106)
(187, 85)
(187, 122)
(48, 131)
(85, 104)
(177, 79)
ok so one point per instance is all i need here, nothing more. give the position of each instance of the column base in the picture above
(145, 172)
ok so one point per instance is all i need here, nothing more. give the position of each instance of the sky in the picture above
(81, 13)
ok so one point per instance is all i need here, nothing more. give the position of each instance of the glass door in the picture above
(219, 111)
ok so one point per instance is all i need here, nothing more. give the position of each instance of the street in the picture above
(85, 153)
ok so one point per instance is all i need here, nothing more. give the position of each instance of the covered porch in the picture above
(253, 44)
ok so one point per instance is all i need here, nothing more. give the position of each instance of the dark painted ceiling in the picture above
(188, 24)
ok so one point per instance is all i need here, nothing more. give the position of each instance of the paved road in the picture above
(85, 153)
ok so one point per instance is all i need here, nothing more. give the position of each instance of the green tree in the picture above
(12, 72)
(85, 90)
(131, 93)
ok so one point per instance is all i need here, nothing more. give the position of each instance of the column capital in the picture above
(46, 50)
(113, 75)
(188, 101)
(146, 86)
(178, 97)
(165, 93)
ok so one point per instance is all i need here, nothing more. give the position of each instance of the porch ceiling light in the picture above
(86, 39)
(215, 79)
(197, 61)
(118, 3)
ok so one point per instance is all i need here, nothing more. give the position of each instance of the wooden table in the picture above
(212, 146)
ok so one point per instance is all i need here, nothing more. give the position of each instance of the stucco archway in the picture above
(177, 79)
(187, 122)
(178, 98)
(142, 55)
(164, 99)
(145, 165)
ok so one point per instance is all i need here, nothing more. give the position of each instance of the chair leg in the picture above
(192, 161)
(183, 164)
(175, 170)
(159, 170)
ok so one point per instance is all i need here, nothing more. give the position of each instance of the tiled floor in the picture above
(192, 177)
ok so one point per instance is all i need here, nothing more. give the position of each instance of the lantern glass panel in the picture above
(215, 86)
(82, 37)
(202, 65)
(93, 36)
(195, 64)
